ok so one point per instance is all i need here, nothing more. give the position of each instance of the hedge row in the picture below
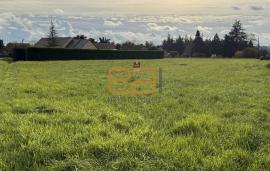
(39, 54)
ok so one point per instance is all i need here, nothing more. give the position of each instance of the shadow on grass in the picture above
(9, 60)
(268, 66)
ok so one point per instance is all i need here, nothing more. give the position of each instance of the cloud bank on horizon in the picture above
(132, 20)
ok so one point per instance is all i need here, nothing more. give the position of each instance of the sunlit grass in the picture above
(212, 115)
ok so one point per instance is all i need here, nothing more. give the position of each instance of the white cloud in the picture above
(119, 29)
(156, 27)
(225, 31)
(259, 22)
(112, 23)
(13, 28)
(58, 11)
(205, 29)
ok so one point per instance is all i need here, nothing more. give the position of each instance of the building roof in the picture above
(105, 46)
(61, 42)
(80, 44)
(67, 42)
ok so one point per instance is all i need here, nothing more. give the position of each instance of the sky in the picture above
(134, 20)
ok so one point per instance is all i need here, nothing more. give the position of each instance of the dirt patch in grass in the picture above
(45, 110)
(21, 110)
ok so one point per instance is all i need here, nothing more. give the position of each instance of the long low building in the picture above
(67, 42)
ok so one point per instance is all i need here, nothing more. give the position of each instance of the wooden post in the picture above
(160, 80)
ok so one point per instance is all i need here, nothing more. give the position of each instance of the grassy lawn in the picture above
(212, 115)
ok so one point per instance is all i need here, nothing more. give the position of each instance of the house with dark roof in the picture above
(105, 46)
(67, 42)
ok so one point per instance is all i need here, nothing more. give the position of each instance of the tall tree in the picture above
(188, 41)
(150, 46)
(179, 45)
(237, 32)
(216, 45)
(199, 47)
(238, 37)
(168, 44)
(1, 45)
(52, 35)
(228, 46)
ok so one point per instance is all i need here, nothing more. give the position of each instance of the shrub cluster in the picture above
(39, 54)
(247, 53)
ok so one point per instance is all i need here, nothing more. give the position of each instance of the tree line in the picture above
(236, 43)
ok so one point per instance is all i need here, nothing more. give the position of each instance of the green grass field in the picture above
(212, 115)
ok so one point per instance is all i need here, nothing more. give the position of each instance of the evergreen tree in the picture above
(227, 46)
(150, 46)
(237, 32)
(238, 37)
(216, 45)
(52, 35)
(208, 43)
(188, 41)
(179, 45)
(1, 45)
(199, 48)
(250, 44)
(168, 44)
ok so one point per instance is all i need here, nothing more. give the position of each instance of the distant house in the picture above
(67, 42)
(105, 46)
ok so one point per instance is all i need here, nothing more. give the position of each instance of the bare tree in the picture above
(52, 35)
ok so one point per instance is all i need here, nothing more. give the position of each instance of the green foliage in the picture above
(37, 54)
(212, 115)
(236, 40)
(216, 45)
(247, 53)
(150, 46)
(174, 53)
(1, 45)
(199, 47)
(19, 54)
(130, 46)
(81, 37)
(104, 40)
(177, 45)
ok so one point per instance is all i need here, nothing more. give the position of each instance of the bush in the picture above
(239, 54)
(12, 46)
(174, 54)
(39, 54)
(247, 53)
(19, 53)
